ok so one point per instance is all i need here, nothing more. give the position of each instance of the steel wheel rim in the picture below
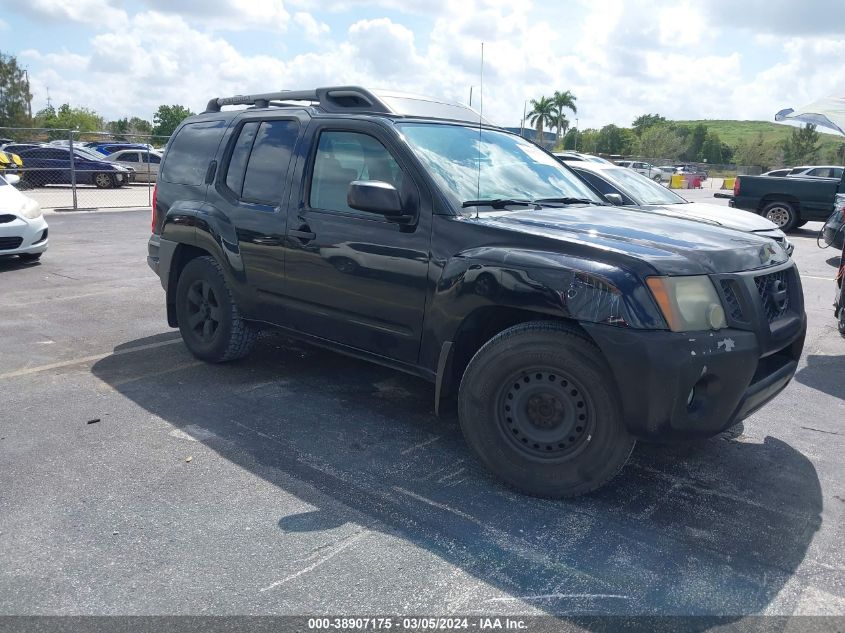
(778, 215)
(103, 180)
(204, 312)
(545, 414)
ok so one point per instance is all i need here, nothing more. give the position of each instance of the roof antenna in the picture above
(480, 116)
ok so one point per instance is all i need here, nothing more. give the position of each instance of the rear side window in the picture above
(260, 160)
(128, 157)
(191, 151)
(268, 163)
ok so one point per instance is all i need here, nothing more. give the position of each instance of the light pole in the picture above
(522, 125)
(577, 132)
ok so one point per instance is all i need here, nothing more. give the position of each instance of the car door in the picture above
(354, 277)
(249, 197)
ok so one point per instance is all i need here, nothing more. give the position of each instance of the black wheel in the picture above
(103, 181)
(840, 324)
(209, 321)
(781, 213)
(538, 405)
(800, 223)
(30, 257)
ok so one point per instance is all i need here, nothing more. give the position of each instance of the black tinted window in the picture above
(240, 155)
(128, 157)
(599, 184)
(269, 160)
(191, 151)
(155, 159)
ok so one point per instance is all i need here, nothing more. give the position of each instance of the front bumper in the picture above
(656, 372)
(686, 385)
(22, 236)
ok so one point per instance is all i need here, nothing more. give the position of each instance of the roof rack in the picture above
(330, 99)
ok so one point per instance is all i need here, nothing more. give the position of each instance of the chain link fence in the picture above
(67, 170)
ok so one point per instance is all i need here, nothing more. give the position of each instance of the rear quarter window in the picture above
(190, 152)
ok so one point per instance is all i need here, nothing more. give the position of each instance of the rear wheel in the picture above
(209, 320)
(800, 223)
(841, 323)
(538, 405)
(104, 181)
(782, 214)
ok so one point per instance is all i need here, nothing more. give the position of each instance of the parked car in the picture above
(690, 170)
(23, 229)
(578, 156)
(50, 165)
(637, 190)
(833, 231)
(777, 173)
(109, 148)
(565, 328)
(17, 148)
(788, 202)
(145, 163)
(648, 170)
(817, 171)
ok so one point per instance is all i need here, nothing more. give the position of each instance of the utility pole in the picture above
(522, 125)
(577, 132)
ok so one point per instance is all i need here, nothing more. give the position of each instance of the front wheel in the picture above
(209, 320)
(841, 322)
(103, 181)
(539, 407)
(782, 214)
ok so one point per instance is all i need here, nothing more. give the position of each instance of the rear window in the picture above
(191, 151)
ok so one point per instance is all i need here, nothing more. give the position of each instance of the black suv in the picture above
(409, 232)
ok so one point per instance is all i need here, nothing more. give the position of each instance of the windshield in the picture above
(487, 165)
(641, 189)
(87, 153)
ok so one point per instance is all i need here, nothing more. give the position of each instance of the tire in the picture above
(30, 257)
(840, 324)
(209, 321)
(103, 180)
(539, 407)
(733, 432)
(782, 214)
(800, 223)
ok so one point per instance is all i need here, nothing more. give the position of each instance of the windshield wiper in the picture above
(500, 203)
(543, 201)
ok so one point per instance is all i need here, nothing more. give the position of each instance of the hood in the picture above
(673, 245)
(14, 202)
(716, 214)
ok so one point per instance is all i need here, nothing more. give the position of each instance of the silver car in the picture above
(623, 186)
(145, 163)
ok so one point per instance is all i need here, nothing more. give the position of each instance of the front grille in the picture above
(774, 294)
(8, 243)
(734, 308)
(6, 218)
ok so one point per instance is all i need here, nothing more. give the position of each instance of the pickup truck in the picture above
(400, 230)
(788, 202)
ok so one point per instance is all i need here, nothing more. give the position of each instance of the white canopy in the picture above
(827, 112)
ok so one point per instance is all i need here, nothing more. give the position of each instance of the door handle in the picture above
(303, 233)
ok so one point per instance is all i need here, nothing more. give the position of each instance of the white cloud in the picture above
(102, 14)
(628, 57)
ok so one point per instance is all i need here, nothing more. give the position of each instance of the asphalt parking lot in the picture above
(137, 480)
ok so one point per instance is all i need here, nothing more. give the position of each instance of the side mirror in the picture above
(374, 196)
(614, 198)
(12, 179)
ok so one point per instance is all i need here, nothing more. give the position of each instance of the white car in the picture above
(144, 163)
(646, 169)
(23, 229)
(816, 171)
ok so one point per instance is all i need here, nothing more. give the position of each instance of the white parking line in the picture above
(86, 359)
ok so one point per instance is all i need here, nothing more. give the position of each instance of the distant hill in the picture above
(732, 132)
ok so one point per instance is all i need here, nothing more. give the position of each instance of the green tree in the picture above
(168, 117)
(803, 146)
(714, 151)
(562, 101)
(660, 141)
(15, 95)
(755, 151)
(588, 141)
(695, 142)
(68, 118)
(645, 121)
(119, 128)
(140, 126)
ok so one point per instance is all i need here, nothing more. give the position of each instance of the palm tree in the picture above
(541, 115)
(562, 101)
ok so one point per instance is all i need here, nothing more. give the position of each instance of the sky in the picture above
(707, 59)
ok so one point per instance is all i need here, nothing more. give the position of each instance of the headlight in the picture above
(688, 303)
(32, 210)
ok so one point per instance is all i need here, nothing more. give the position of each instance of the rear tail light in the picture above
(154, 214)
(736, 186)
